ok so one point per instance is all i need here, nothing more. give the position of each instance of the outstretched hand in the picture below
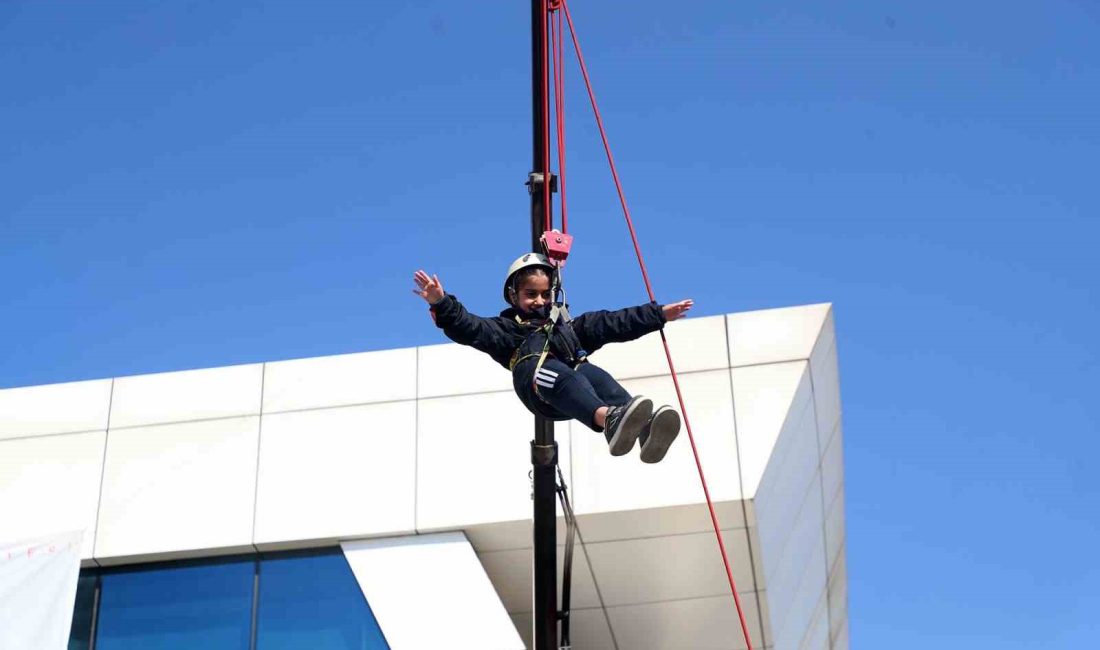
(428, 287)
(676, 310)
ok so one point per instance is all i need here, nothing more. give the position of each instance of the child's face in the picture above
(533, 294)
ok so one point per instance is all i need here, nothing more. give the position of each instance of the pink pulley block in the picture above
(557, 245)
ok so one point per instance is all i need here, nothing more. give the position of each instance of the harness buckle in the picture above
(559, 313)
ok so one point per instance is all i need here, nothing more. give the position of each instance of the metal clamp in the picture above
(544, 454)
(535, 180)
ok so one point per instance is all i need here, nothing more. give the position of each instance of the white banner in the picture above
(38, 591)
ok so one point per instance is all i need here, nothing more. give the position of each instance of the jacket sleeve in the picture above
(597, 328)
(484, 334)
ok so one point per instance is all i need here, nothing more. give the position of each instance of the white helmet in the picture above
(524, 262)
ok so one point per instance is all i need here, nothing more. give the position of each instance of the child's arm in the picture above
(458, 324)
(596, 329)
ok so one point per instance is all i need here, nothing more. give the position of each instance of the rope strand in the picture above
(559, 97)
(546, 194)
(664, 340)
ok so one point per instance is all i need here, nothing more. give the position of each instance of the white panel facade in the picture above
(795, 574)
(796, 625)
(762, 397)
(699, 623)
(774, 335)
(840, 637)
(834, 516)
(832, 465)
(767, 636)
(178, 487)
(473, 457)
(674, 567)
(444, 370)
(838, 602)
(826, 378)
(791, 472)
(337, 473)
(603, 483)
(506, 535)
(668, 520)
(50, 484)
(697, 344)
(816, 636)
(834, 530)
(55, 408)
(522, 623)
(341, 380)
(589, 628)
(510, 573)
(826, 382)
(311, 452)
(789, 506)
(186, 396)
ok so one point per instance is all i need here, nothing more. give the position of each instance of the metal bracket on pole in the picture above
(535, 181)
(542, 455)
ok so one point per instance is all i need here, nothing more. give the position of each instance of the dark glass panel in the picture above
(177, 606)
(311, 600)
(80, 633)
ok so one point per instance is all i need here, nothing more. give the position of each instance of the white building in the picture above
(198, 490)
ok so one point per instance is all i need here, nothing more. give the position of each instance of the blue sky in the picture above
(194, 184)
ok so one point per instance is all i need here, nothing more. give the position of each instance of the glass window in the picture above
(80, 634)
(311, 600)
(177, 606)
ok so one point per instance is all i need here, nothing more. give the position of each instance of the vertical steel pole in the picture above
(544, 450)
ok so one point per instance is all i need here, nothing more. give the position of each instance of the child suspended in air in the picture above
(547, 354)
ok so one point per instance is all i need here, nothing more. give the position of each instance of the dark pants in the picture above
(566, 393)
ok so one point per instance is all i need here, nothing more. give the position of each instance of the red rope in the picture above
(668, 353)
(559, 96)
(546, 195)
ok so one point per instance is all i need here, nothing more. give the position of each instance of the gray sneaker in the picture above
(658, 434)
(625, 422)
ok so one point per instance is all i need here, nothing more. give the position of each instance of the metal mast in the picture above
(544, 450)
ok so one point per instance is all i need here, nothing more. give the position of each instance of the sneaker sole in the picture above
(665, 428)
(637, 414)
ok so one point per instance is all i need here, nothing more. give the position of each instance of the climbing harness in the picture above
(558, 310)
(554, 241)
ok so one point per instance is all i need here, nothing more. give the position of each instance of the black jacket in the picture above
(502, 336)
